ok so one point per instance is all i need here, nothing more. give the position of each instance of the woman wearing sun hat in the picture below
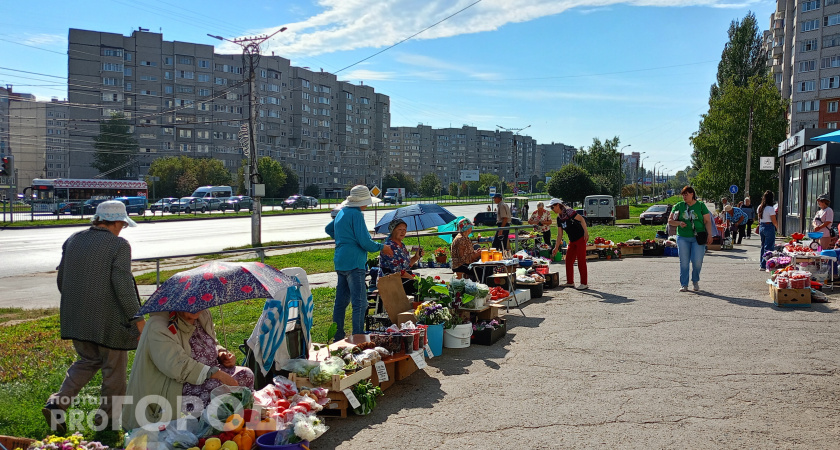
(352, 245)
(463, 253)
(99, 306)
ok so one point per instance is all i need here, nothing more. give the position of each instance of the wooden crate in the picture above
(338, 384)
(337, 407)
(391, 368)
(404, 368)
(12, 442)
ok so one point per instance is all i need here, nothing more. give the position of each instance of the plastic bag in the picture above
(287, 388)
(301, 367)
(382, 352)
(322, 374)
(233, 400)
(408, 326)
(180, 438)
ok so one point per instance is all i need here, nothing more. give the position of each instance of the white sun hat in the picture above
(360, 196)
(554, 201)
(112, 211)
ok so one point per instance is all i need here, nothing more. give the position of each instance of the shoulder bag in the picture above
(701, 236)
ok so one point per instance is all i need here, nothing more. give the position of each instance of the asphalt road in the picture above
(32, 251)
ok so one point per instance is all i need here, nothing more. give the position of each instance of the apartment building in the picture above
(4, 120)
(803, 45)
(39, 138)
(555, 156)
(184, 99)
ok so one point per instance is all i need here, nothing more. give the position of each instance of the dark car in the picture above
(162, 204)
(488, 218)
(88, 207)
(295, 202)
(655, 215)
(64, 208)
(238, 202)
(136, 205)
(189, 204)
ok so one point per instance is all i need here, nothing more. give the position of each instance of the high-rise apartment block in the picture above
(184, 99)
(803, 47)
(556, 155)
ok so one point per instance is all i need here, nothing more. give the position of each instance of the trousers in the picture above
(576, 252)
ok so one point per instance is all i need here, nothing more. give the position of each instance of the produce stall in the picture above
(800, 271)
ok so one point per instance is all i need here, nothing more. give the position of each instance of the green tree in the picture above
(292, 184)
(185, 184)
(400, 180)
(540, 186)
(115, 148)
(312, 190)
(430, 185)
(721, 142)
(482, 186)
(743, 56)
(453, 188)
(572, 183)
(603, 162)
(202, 172)
(273, 176)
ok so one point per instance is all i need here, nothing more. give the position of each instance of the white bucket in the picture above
(458, 337)
(479, 302)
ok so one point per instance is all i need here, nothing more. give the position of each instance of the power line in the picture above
(413, 35)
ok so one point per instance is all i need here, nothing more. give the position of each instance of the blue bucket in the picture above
(266, 442)
(434, 334)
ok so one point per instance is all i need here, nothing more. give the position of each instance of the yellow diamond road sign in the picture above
(375, 191)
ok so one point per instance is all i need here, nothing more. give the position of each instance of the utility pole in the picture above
(515, 132)
(749, 156)
(251, 54)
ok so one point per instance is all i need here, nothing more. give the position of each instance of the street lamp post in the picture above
(621, 168)
(653, 185)
(642, 165)
(515, 155)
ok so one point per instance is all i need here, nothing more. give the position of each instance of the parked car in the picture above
(335, 210)
(214, 196)
(297, 201)
(135, 205)
(599, 209)
(64, 208)
(488, 218)
(162, 204)
(645, 199)
(188, 205)
(238, 202)
(313, 202)
(655, 215)
(88, 207)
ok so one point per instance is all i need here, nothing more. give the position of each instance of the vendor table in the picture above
(814, 260)
(510, 266)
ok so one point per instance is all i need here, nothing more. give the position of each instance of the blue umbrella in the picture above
(834, 136)
(217, 283)
(416, 217)
(451, 226)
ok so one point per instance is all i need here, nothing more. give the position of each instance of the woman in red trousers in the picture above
(575, 226)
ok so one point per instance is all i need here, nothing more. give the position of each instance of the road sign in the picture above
(492, 190)
(469, 175)
(375, 191)
(733, 189)
(768, 163)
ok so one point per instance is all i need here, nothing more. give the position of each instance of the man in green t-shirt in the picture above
(690, 217)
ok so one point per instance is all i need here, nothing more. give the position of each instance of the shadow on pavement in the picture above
(817, 307)
(608, 298)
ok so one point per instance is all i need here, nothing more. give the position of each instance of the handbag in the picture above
(701, 236)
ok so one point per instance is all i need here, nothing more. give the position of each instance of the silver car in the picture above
(188, 205)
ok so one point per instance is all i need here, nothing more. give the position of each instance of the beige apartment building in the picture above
(39, 138)
(803, 45)
(184, 99)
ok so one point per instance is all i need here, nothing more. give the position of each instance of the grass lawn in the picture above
(34, 359)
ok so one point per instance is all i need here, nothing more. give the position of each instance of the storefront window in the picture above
(794, 186)
(817, 183)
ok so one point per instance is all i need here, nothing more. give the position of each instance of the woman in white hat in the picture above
(352, 245)
(823, 221)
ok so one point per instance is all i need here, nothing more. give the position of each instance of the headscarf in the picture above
(394, 224)
(464, 225)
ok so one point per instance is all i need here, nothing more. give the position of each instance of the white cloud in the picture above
(43, 40)
(352, 24)
(364, 74)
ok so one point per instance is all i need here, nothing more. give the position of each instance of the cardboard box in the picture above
(493, 312)
(391, 368)
(790, 298)
(713, 247)
(634, 250)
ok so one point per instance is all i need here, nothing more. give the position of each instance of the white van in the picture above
(215, 196)
(599, 209)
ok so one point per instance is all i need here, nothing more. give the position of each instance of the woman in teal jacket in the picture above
(352, 245)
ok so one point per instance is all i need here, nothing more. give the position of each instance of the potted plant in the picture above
(440, 255)
(434, 316)
(424, 287)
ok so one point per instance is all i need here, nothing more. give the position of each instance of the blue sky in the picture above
(571, 69)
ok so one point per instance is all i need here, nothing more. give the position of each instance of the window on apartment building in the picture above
(808, 105)
(832, 107)
(188, 75)
(831, 125)
(127, 56)
(185, 89)
(112, 81)
(204, 78)
(810, 6)
(808, 66)
(830, 82)
(148, 78)
(831, 20)
(184, 133)
(809, 45)
(807, 86)
(127, 71)
(204, 64)
(811, 25)
(167, 89)
(203, 92)
(831, 41)
(221, 81)
(184, 147)
(128, 87)
(304, 83)
(112, 67)
(831, 61)
(112, 52)
(167, 60)
(185, 60)
(148, 63)
(831, 2)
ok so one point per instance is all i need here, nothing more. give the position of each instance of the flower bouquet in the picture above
(432, 313)
(73, 442)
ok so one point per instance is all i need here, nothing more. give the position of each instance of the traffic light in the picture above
(7, 168)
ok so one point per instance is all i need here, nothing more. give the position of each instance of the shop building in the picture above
(807, 169)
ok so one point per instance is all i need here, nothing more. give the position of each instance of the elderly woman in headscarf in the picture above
(402, 261)
(463, 252)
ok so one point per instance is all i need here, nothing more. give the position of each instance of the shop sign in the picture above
(469, 175)
(767, 163)
(811, 155)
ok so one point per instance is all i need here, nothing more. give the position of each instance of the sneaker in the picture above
(683, 288)
(569, 285)
(582, 287)
(55, 418)
(696, 287)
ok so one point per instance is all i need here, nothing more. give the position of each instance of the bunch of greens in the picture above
(366, 393)
(424, 286)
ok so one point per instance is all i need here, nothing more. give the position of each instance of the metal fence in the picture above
(20, 212)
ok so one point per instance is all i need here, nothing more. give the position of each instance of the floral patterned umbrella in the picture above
(218, 283)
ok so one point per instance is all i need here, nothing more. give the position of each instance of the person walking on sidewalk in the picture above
(693, 221)
(352, 245)
(750, 212)
(503, 218)
(766, 227)
(575, 226)
(99, 306)
(737, 221)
